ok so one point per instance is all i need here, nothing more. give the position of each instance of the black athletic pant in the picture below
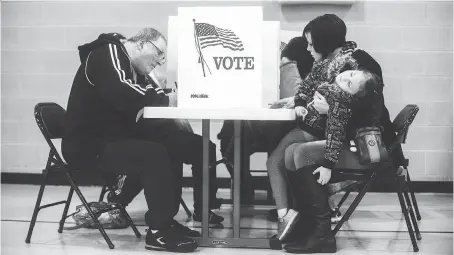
(183, 148)
(149, 165)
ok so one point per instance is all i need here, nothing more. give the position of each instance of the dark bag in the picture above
(371, 148)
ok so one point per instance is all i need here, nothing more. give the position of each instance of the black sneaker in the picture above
(185, 231)
(212, 217)
(169, 239)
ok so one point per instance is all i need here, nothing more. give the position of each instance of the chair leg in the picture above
(185, 207)
(65, 211)
(103, 192)
(94, 218)
(400, 185)
(412, 215)
(269, 195)
(124, 212)
(37, 205)
(341, 202)
(353, 206)
(413, 197)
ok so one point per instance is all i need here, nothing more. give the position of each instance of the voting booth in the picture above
(224, 62)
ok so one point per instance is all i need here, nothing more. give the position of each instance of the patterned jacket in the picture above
(340, 123)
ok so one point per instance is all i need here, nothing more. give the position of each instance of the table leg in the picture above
(236, 241)
(205, 178)
(236, 178)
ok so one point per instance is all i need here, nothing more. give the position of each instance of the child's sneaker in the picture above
(169, 239)
(286, 224)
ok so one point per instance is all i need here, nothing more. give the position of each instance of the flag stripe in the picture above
(217, 39)
(283, 44)
(223, 43)
(210, 35)
(208, 40)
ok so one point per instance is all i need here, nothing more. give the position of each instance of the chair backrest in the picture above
(50, 117)
(402, 122)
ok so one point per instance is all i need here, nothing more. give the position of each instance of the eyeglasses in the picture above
(160, 53)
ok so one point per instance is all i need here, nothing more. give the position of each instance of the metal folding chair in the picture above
(401, 175)
(49, 117)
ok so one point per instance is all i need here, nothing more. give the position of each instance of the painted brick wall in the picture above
(411, 40)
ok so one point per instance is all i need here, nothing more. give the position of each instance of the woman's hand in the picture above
(278, 104)
(285, 103)
(290, 104)
(320, 103)
(300, 111)
(325, 175)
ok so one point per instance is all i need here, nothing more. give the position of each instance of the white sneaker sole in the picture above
(154, 248)
(160, 248)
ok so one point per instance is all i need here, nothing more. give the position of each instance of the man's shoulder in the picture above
(111, 49)
(111, 53)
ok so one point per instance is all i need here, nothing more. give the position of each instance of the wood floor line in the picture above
(246, 228)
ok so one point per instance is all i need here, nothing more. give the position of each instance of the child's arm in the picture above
(339, 114)
(306, 89)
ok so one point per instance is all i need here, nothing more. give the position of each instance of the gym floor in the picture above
(376, 227)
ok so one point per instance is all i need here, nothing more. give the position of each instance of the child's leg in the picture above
(306, 155)
(276, 166)
(288, 158)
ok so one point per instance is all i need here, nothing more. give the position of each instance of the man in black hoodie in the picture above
(102, 132)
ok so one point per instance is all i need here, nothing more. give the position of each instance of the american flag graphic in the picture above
(283, 44)
(210, 35)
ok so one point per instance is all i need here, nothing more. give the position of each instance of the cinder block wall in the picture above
(411, 40)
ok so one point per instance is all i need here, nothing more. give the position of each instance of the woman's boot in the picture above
(304, 225)
(321, 239)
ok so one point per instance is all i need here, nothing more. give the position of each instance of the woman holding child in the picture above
(326, 43)
(342, 81)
